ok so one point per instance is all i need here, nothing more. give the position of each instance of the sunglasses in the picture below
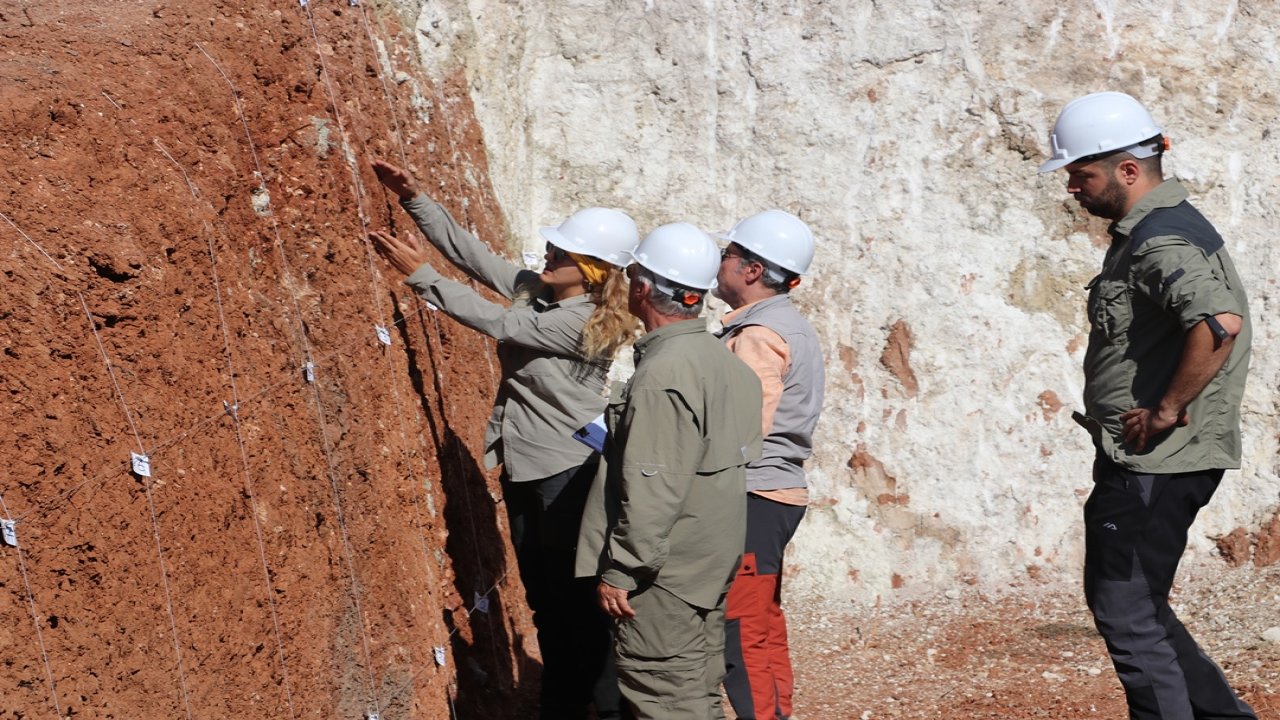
(555, 254)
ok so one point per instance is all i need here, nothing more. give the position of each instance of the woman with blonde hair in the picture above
(556, 341)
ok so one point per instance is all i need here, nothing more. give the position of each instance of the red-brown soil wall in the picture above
(300, 548)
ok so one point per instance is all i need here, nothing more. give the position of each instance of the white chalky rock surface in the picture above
(907, 134)
(1272, 635)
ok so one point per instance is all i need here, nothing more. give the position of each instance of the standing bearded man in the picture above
(1164, 374)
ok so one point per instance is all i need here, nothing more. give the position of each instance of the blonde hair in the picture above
(611, 325)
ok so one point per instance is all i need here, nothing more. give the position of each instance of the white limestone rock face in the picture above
(948, 280)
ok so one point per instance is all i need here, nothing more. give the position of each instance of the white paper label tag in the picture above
(438, 651)
(309, 371)
(482, 603)
(303, 3)
(384, 335)
(372, 715)
(531, 259)
(141, 464)
(9, 528)
(432, 307)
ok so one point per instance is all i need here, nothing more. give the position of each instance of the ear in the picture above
(1128, 171)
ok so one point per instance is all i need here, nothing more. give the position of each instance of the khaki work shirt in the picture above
(1151, 291)
(668, 506)
(548, 390)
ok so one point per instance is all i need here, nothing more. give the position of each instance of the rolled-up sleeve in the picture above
(1177, 276)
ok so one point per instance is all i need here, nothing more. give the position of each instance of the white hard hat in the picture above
(598, 232)
(1102, 123)
(681, 253)
(779, 237)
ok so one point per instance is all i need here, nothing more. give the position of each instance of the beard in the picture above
(1108, 203)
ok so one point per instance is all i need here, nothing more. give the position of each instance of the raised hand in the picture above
(404, 255)
(396, 180)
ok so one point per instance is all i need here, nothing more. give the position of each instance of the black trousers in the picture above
(1135, 533)
(575, 636)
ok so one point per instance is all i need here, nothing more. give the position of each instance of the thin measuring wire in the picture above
(286, 269)
(349, 155)
(399, 135)
(244, 455)
(456, 156)
(33, 242)
(357, 192)
(324, 434)
(395, 694)
(386, 89)
(168, 596)
(151, 507)
(156, 450)
(94, 328)
(466, 498)
(35, 618)
(404, 162)
(435, 320)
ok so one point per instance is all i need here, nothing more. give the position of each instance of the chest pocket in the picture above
(1110, 308)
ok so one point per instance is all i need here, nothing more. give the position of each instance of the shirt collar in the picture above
(654, 338)
(1165, 195)
(735, 315)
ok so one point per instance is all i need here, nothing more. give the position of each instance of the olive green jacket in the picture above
(668, 506)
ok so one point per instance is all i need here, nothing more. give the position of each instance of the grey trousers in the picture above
(667, 658)
(1135, 533)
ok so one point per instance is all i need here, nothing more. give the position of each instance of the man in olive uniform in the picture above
(666, 522)
(1164, 374)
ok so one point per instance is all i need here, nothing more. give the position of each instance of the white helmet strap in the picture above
(676, 292)
(1142, 150)
(775, 273)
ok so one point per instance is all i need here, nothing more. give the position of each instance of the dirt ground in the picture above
(1028, 652)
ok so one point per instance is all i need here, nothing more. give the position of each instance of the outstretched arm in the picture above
(458, 245)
